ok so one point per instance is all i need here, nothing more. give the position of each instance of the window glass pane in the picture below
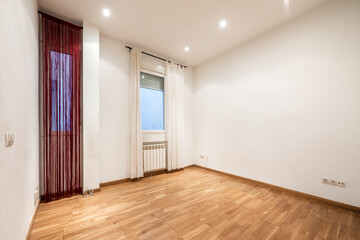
(152, 102)
(61, 91)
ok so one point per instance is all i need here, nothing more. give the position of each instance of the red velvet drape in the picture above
(60, 103)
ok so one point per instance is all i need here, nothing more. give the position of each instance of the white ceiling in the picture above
(167, 26)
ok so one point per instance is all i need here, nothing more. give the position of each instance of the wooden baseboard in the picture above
(294, 192)
(190, 166)
(106, 184)
(149, 174)
(97, 190)
(32, 222)
(161, 172)
(175, 170)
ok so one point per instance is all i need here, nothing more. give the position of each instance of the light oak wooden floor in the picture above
(193, 204)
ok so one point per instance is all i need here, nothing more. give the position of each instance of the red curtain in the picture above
(61, 108)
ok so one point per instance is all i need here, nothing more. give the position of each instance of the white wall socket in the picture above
(36, 196)
(9, 139)
(334, 182)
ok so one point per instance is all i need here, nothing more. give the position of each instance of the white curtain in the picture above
(136, 135)
(174, 85)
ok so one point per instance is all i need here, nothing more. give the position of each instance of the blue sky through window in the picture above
(152, 109)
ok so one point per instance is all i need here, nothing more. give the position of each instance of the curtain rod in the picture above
(40, 12)
(162, 59)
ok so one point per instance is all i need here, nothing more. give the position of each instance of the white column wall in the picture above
(91, 104)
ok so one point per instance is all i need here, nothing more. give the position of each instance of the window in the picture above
(61, 91)
(152, 102)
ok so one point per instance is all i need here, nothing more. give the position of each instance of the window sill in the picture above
(153, 131)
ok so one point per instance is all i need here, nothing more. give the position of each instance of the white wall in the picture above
(91, 104)
(284, 108)
(115, 111)
(189, 118)
(19, 165)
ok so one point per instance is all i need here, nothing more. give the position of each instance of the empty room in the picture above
(168, 119)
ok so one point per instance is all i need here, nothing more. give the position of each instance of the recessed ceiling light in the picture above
(106, 12)
(187, 49)
(222, 23)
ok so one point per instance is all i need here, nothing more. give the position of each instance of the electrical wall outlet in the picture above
(203, 160)
(334, 182)
(36, 196)
(9, 139)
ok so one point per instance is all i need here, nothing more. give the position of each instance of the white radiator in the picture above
(154, 157)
